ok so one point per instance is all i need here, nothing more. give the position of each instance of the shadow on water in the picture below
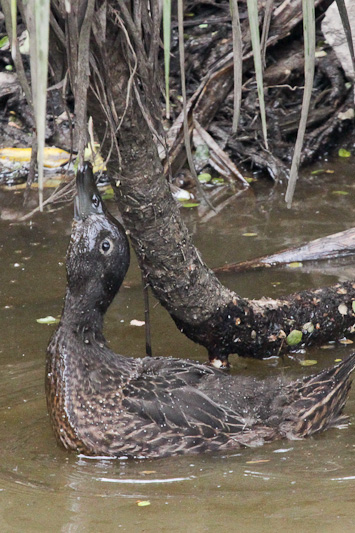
(302, 485)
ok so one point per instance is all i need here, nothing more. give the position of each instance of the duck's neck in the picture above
(82, 318)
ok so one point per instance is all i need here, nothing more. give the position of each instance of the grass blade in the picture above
(167, 40)
(255, 41)
(309, 32)
(40, 103)
(13, 7)
(37, 19)
(237, 62)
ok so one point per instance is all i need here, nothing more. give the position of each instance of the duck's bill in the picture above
(88, 200)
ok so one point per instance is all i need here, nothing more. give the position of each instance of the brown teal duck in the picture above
(102, 403)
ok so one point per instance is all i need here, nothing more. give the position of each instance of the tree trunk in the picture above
(206, 311)
(201, 306)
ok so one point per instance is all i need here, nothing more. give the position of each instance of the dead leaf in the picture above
(53, 157)
(343, 310)
(346, 341)
(257, 461)
(143, 503)
(308, 362)
(138, 323)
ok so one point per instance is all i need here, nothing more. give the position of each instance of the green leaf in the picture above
(294, 264)
(353, 306)
(108, 194)
(294, 337)
(9, 67)
(4, 41)
(249, 234)
(203, 26)
(190, 204)
(217, 181)
(143, 503)
(343, 153)
(318, 171)
(340, 193)
(204, 177)
(47, 320)
(308, 362)
(322, 171)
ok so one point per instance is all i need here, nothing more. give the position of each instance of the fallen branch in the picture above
(332, 246)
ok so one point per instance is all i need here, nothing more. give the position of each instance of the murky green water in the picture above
(297, 486)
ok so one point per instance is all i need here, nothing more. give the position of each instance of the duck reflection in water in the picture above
(102, 403)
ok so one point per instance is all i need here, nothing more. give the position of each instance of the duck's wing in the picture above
(169, 402)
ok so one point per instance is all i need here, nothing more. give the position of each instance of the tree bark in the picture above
(200, 305)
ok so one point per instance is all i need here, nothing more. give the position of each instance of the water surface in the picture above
(299, 486)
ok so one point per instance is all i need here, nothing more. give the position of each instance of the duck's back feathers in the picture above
(170, 401)
(317, 402)
(183, 407)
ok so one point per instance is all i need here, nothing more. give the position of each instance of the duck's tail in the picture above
(316, 402)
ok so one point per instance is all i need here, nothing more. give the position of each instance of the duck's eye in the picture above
(95, 200)
(106, 246)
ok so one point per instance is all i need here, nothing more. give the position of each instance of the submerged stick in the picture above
(330, 247)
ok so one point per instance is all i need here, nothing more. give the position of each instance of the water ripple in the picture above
(145, 481)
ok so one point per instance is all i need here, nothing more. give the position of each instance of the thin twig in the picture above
(183, 90)
(266, 27)
(156, 13)
(108, 108)
(237, 63)
(137, 15)
(135, 35)
(132, 73)
(58, 195)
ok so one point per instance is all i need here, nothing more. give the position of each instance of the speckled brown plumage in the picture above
(102, 403)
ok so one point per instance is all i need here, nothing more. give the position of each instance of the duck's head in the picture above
(98, 254)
